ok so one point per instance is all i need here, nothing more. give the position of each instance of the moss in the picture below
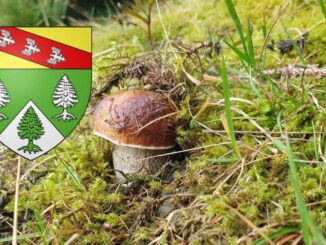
(232, 227)
(200, 185)
(155, 185)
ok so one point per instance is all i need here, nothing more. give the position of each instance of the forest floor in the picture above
(250, 163)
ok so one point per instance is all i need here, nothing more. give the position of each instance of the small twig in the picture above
(288, 238)
(14, 233)
(252, 225)
(19, 232)
(182, 151)
(164, 29)
(155, 120)
(114, 80)
(72, 239)
(51, 207)
(296, 241)
(34, 166)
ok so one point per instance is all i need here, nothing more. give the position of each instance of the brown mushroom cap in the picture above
(136, 118)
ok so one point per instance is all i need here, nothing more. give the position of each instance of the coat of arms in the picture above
(45, 84)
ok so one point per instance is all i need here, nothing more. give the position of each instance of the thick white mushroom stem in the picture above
(130, 160)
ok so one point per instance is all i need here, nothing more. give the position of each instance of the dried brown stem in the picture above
(291, 71)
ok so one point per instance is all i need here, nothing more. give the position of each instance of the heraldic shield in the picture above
(45, 84)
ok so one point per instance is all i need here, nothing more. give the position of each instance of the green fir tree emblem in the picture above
(30, 128)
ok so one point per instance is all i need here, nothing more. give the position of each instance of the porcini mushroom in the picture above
(140, 124)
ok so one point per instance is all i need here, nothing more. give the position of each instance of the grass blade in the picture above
(311, 233)
(236, 20)
(251, 57)
(233, 46)
(323, 7)
(73, 176)
(226, 92)
(251, 51)
(40, 224)
(72, 173)
(264, 27)
(241, 55)
(20, 237)
(277, 234)
(266, 38)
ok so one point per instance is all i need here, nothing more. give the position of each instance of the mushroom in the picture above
(140, 124)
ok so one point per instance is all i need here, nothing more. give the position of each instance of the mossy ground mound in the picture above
(206, 195)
